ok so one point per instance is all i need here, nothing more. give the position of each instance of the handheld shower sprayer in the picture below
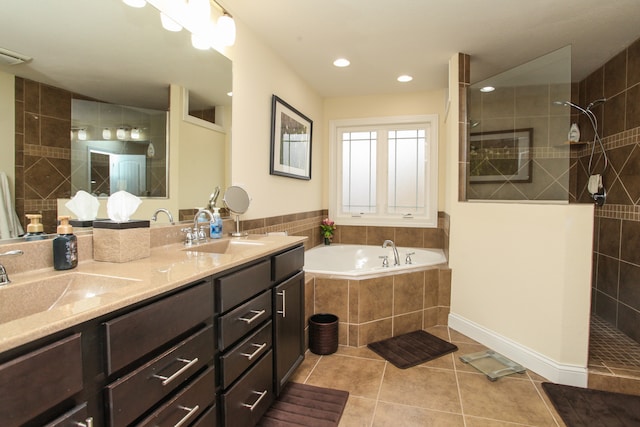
(600, 195)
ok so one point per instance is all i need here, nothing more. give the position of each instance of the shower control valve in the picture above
(385, 260)
(407, 259)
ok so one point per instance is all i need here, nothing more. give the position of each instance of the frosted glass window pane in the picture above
(406, 171)
(359, 172)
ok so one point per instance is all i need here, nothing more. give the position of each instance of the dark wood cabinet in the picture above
(23, 394)
(288, 329)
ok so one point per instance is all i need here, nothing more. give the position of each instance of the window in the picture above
(384, 171)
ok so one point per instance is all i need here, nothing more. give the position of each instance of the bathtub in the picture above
(359, 261)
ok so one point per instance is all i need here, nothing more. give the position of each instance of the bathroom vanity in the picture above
(212, 344)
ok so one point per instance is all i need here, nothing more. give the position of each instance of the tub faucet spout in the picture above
(396, 258)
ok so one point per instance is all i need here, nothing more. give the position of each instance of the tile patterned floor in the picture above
(614, 359)
(442, 392)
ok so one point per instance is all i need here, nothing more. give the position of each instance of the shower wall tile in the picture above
(607, 308)
(629, 322)
(629, 242)
(633, 63)
(607, 277)
(609, 232)
(632, 117)
(630, 285)
(615, 75)
(614, 115)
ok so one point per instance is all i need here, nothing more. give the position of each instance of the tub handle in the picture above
(385, 260)
(407, 260)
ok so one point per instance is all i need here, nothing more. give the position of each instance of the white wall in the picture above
(521, 274)
(7, 127)
(257, 75)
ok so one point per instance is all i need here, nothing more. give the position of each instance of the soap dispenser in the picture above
(35, 229)
(216, 224)
(65, 246)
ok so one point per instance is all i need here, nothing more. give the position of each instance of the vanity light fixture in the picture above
(106, 133)
(487, 89)
(135, 133)
(341, 62)
(135, 3)
(121, 133)
(82, 134)
(196, 17)
(404, 78)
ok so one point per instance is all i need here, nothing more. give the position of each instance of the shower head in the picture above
(596, 102)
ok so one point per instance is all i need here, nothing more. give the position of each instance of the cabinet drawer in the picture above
(133, 335)
(153, 381)
(243, 355)
(237, 287)
(287, 263)
(76, 417)
(22, 395)
(243, 319)
(246, 402)
(209, 419)
(186, 406)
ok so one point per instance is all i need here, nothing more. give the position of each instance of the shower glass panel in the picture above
(517, 137)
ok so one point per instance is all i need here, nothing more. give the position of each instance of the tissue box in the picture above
(121, 241)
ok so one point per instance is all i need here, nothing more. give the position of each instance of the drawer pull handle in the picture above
(284, 303)
(258, 350)
(252, 407)
(186, 417)
(87, 423)
(257, 313)
(167, 380)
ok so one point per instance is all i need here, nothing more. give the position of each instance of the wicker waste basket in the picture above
(323, 333)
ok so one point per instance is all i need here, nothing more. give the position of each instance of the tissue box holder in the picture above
(121, 241)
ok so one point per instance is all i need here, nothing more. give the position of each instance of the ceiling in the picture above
(105, 49)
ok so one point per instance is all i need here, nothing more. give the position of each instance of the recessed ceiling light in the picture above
(341, 62)
(405, 78)
(487, 89)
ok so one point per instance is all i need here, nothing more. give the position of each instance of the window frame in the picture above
(381, 218)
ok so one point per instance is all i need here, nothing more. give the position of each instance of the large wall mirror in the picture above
(109, 52)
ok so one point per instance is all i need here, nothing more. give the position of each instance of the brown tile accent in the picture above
(376, 298)
(406, 323)
(331, 297)
(408, 293)
(615, 75)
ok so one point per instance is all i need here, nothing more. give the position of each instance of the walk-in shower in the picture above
(595, 185)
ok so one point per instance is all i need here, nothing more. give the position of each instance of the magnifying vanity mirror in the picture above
(237, 200)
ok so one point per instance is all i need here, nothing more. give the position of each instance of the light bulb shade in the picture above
(82, 134)
(135, 3)
(169, 24)
(226, 30)
(120, 133)
(199, 41)
(106, 133)
(135, 133)
(199, 9)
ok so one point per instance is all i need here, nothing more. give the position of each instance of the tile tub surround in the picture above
(374, 309)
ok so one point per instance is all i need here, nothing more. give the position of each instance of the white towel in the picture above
(9, 224)
(595, 183)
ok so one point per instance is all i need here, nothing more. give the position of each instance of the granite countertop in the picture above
(46, 301)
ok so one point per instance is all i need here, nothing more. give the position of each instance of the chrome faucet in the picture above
(4, 277)
(396, 257)
(201, 234)
(166, 211)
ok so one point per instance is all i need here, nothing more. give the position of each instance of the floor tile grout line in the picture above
(375, 407)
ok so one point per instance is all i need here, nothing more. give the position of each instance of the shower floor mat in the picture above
(492, 364)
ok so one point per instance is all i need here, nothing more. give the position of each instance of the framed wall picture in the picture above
(290, 141)
(500, 156)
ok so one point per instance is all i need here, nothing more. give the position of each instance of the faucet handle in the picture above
(385, 260)
(407, 260)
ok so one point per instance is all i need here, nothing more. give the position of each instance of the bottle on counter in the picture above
(65, 246)
(35, 229)
(216, 224)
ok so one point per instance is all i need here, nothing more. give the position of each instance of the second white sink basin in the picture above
(79, 291)
(227, 246)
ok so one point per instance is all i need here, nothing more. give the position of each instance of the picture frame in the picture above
(291, 133)
(500, 156)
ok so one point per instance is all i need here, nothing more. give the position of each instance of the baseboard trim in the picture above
(532, 360)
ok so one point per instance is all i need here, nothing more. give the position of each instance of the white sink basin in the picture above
(78, 291)
(227, 246)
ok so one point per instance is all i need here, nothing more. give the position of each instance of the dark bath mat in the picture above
(412, 349)
(306, 405)
(583, 407)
